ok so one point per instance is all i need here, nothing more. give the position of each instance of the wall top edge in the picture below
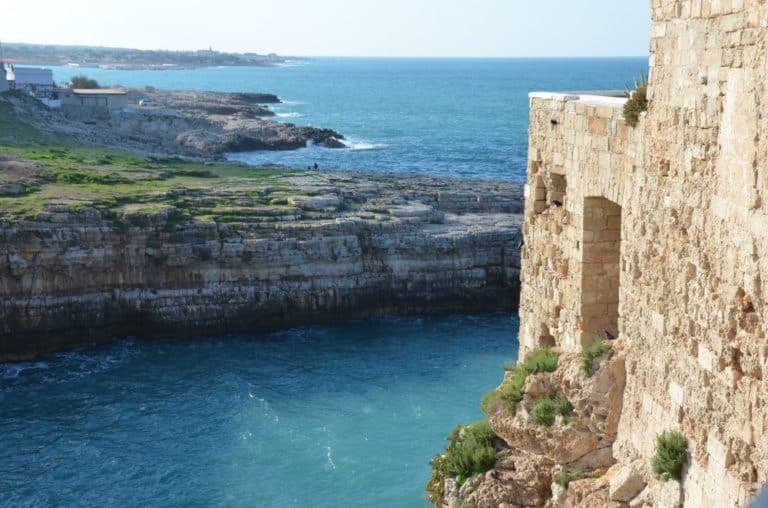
(611, 98)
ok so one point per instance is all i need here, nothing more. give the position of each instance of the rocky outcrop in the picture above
(190, 124)
(578, 444)
(238, 255)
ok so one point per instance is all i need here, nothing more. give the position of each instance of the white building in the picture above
(35, 80)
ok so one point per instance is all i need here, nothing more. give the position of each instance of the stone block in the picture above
(626, 484)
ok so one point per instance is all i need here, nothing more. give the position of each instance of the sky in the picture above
(438, 28)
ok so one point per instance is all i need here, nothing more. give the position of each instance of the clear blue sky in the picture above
(340, 27)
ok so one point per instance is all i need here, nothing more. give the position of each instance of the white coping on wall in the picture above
(610, 98)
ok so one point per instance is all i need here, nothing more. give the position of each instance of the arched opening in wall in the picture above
(601, 254)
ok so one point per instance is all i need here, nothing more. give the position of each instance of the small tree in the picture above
(637, 100)
(82, 81)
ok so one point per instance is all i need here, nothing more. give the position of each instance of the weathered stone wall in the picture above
(691, 181)
(583, 157)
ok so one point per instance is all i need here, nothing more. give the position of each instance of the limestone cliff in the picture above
(251, 251)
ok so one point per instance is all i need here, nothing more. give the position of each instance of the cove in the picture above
(345, 415)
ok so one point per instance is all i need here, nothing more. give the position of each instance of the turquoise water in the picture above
(460, 117)
(340, 416)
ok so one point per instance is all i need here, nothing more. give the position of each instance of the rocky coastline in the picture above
(191, 124)
(225, 248)
(166, 240)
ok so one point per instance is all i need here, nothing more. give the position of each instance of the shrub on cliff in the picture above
(511, 390)
(470, 451)
(671, 455)
(82, 81)
(566, 476)
(546, 409)
(637, 101)
(588, 355)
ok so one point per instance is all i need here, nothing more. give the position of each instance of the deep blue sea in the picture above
(461, 117)
(339, 416)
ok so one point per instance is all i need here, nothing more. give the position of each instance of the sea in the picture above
(450, 117)
(347, 415)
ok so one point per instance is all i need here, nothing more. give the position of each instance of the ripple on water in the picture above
(323, 416)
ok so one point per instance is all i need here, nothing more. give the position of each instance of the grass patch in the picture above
(566, 476)
(511, 390)
(546, 409)
(637, 102)
(470, 451)
(74, 177)
(671, 455)
(590, 353)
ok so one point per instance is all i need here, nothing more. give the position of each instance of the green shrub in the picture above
(82, 81)
(470, 451)
(566, 476)
(637, 102)
(548, 407)
(511, 390)
(595, 350)
(671, 455)
(542, 359)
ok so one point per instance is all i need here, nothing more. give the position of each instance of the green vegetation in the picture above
(637, 100)
(595, 350)
(546, 409)
(671, 455)
(82, 81)
(511, 390)
(63, 174)
(566, 476)
(470, 451)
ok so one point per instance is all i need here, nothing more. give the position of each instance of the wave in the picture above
(291, 114)
(12, 371)
(361, 145)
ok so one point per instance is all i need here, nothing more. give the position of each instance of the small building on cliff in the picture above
(35, 80)
(90, 104)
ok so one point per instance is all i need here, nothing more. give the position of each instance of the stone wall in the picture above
(691, 185)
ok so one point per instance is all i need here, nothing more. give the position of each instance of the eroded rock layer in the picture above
(297, 248)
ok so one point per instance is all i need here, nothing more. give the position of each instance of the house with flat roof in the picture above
(35, 80)
(86, 104)
(106, 98)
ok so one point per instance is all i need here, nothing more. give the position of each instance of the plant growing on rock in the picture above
(511, 390)
(637, 102)
(470, 451)
(566, 476)
(590, 353)
(546, 409)
(671, 455)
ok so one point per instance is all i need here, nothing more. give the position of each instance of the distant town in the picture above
(123, 58)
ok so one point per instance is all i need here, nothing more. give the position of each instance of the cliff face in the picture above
(293, 249)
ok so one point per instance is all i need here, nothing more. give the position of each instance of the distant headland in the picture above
(126, 58)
